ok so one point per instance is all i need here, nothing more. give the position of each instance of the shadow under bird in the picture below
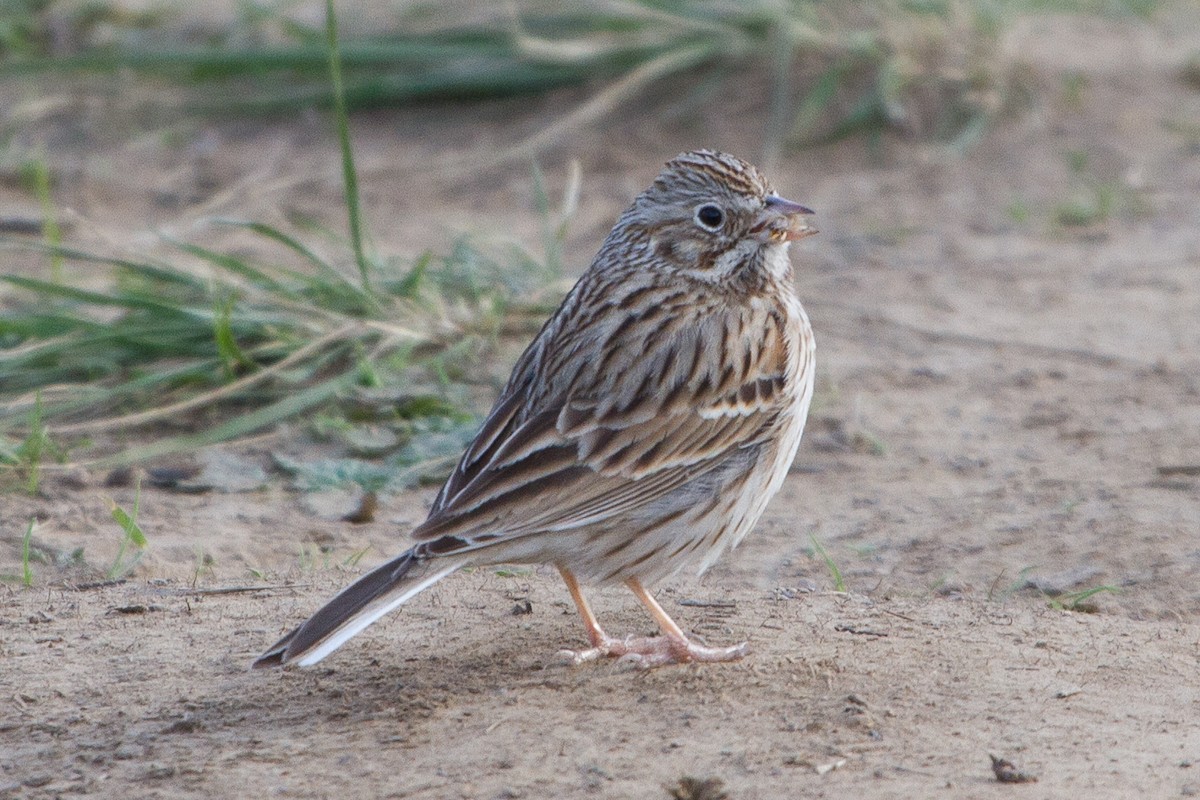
(643, 431)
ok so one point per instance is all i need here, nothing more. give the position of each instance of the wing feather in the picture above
(565, 449)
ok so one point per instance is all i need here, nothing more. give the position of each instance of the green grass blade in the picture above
(291, 243)
(134, 536)
(51, 232)
(234, 265)
(839, 582)
(349, 174)
(329, 287)
(215, 63)
(232, 356)
(26, 569)
(251, 422)
(32, 450)
(93, 400)
(166, 275)
(93, 298)
(128, 523)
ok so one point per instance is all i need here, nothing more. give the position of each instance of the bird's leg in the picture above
(603, 645)
(596, 634)
(673, 647)
(679, 648)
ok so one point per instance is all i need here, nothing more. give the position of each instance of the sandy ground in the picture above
(1001, 410)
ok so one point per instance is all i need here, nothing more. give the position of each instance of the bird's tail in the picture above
(357, 606)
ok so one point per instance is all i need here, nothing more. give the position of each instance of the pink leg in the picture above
(673, 647)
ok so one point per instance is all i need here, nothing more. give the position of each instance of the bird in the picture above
(644, 429)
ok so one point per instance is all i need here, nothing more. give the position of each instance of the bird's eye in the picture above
(709, 216)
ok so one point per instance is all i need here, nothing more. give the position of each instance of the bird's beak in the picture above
(786, 221)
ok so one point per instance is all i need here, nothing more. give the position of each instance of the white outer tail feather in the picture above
(356, 624)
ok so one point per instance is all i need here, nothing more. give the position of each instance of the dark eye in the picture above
(710, 216)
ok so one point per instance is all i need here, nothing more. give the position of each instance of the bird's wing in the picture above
(615, 439)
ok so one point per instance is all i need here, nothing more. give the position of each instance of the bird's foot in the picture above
(647, 652)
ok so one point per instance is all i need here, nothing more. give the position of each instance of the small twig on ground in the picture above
(83, 587)
(708, 603)
(858, 631)
(1180, 469)
(240, 589)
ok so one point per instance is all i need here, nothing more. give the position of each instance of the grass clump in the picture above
(222, 345)
(24, 458)
(1081, 601)
(1094, 202)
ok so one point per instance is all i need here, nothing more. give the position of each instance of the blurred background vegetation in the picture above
(199, 346)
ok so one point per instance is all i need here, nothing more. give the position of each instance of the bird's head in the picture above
(713, 216)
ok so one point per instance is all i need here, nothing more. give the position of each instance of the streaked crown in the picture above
(699, 170)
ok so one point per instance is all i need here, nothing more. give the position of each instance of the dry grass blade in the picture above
(605, 102)
(237, 427)
(212, 397)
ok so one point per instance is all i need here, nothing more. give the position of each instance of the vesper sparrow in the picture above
(644, 429)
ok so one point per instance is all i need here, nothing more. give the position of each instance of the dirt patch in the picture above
(459, 697)
(1001, 405)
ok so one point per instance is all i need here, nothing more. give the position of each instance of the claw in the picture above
(645, 652)
(649, 652)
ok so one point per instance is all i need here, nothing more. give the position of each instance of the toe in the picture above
(653, 651)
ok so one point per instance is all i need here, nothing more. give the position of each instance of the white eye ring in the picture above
(710, 216)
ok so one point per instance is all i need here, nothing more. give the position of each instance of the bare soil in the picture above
(1003, 410)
